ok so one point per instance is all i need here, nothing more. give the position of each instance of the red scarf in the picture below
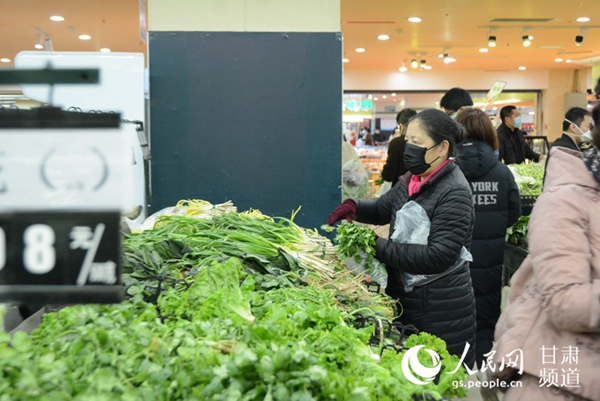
(415, 183)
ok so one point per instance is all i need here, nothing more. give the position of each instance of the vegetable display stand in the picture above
(513, 257)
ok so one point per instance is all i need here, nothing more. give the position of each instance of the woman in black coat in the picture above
(497, 207)
(394, 165)
(444, 307)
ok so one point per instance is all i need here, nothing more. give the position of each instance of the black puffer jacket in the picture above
(497, 207)
(445, 307)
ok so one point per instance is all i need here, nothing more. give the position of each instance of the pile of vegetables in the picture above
(529, 177)
(517, 233)
(222, 308)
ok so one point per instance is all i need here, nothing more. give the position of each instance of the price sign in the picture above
(60, 257)
(65, 178)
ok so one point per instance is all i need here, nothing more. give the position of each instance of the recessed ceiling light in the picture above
(383, 37)
(522, 68)
(5, 60)
(85, 37)
(346, 60)
(583, 19)
(105, 50)
(393, 94)
(375, 98)
(568, 61)
(427, 67)
(57, 18)
(359, 50)
(402, 69)
(484, 50)
(414, 19)
(384, 96)
(558, 60)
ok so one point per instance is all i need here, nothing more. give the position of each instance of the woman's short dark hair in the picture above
(405, 115)
(456, 98)
(478, 126)
(440, 127)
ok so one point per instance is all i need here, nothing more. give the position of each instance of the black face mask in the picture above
(414, 158)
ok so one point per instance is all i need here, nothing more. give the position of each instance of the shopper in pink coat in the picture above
(550, 329)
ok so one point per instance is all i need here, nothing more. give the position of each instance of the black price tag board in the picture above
(60, 257)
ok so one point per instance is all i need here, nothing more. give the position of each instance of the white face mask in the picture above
(585, 136)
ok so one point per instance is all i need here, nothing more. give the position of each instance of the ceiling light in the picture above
(558, 60)
(383, 37)
(578, 40)
(376, 98)
(394, 94)
(4, 60)
(448, 59)
(384, 96)
(57, 18)
(483, 50)
(402, 69)
(370, 97)
(359, 50)
(568, 61)
(491, 41)
(346, 60)
(526, 40)
(414, 19)
(414, 63)
(105, 50)
(428, 67)
(522, 68)
(583, 19)
(85, 37)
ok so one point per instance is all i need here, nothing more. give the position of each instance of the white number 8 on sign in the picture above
(39, 255)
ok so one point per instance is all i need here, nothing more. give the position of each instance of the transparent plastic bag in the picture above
(412, 227)
(385, 187)
(355, 180)
(378, 274)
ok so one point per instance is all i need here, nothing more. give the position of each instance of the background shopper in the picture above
(554, 303)
(454, 99)
(394, 165)
(513, 148)
(446, 306)
(497, 207)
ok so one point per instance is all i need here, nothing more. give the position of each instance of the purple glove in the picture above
(346, 210)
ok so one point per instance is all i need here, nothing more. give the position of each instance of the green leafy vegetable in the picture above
(517, 233)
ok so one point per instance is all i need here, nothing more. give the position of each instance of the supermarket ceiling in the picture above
(458, 28)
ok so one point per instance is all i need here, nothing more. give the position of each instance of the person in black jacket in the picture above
(513, 148)
(497, 207)
(394, 165)
(444, 307)
(454, 100)
(576, 127)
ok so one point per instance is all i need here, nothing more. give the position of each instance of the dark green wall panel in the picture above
(254, 118)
